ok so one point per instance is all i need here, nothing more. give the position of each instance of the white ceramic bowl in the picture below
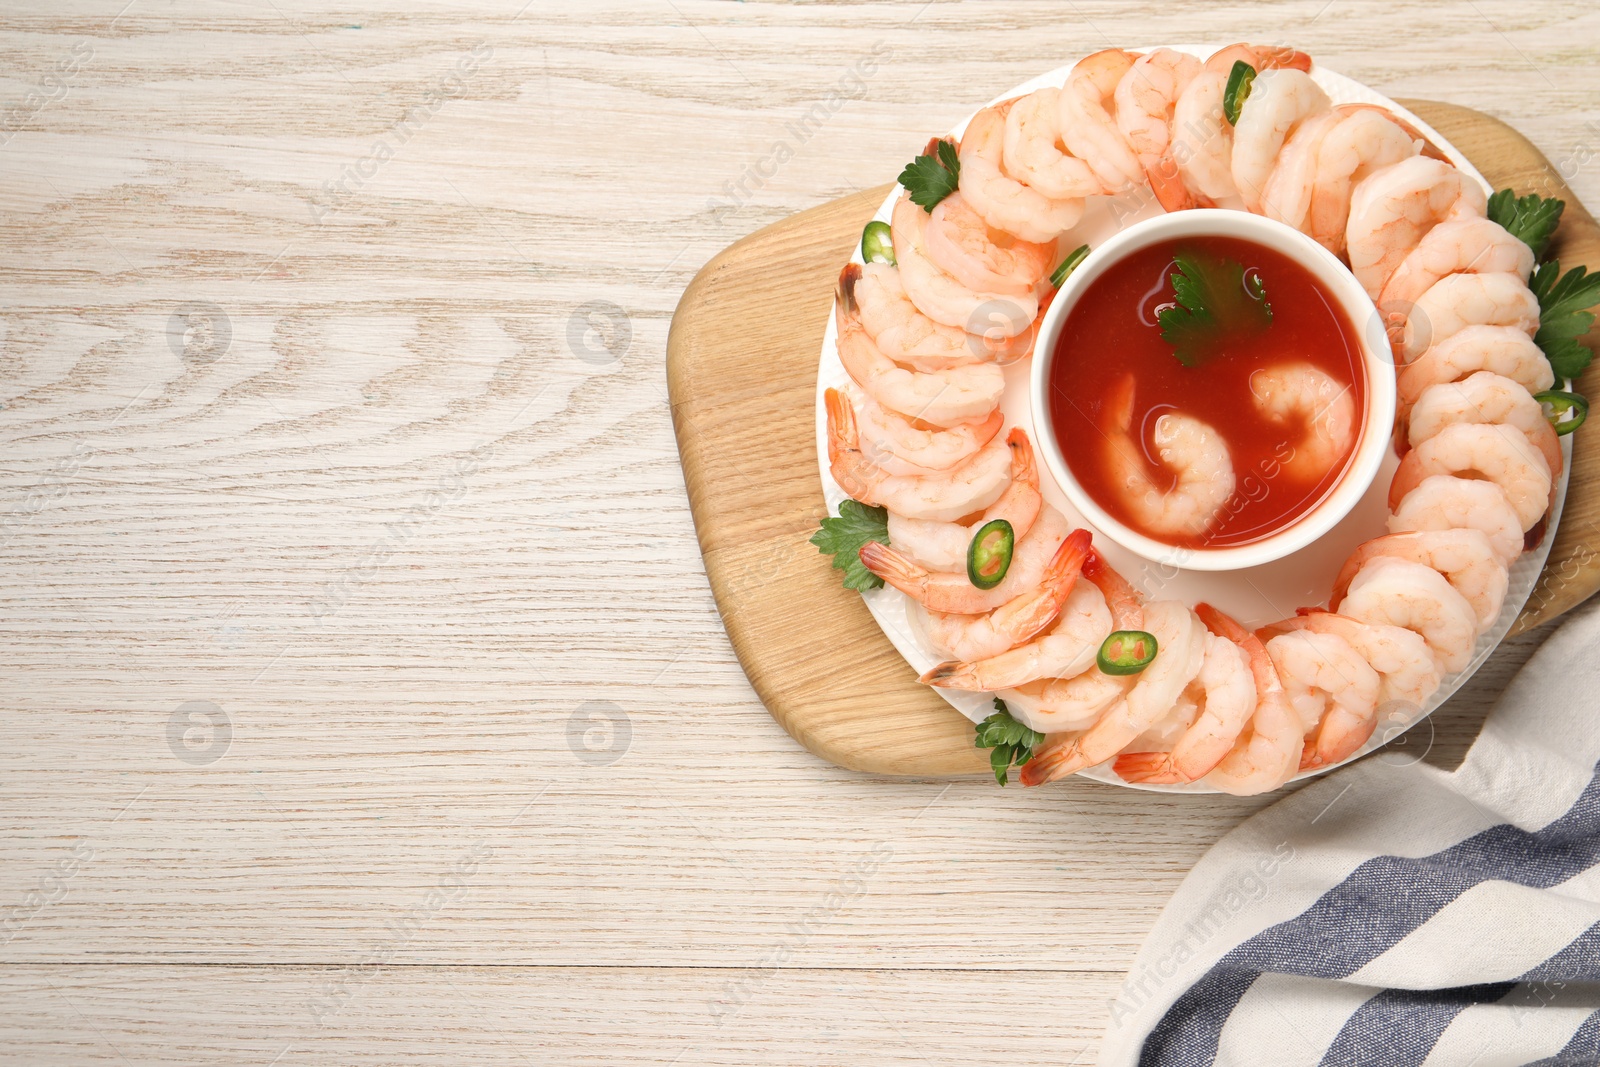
(1377, 419)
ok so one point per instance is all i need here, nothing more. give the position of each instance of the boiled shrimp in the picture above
(1035, 153)
(1279, 101)
(895, 444)
(907, 336)
(953, 592)
(1444, 502)
(1458, 301)
(1393, 208)
(1364, 140)
(961, 490)
(974, 638)
(1488, 398)
(1401, 593)
(1023, 616)
(1180, 644)
(980, 257)
(1146, 98)
(1224, 694)
(1259, 56)
(1202, 140)
(1087, 126)
(1505, 350)
(941, 297)
(1461, 246)
(1299, 394)
(1005, 203)
(1056, 705)
(1267, 752)
(943, 398)
(1202, 137)
(1066, 650)
(1286, 197)
(1493, 453)
(1465, 557)
(1332, 688)
(1407, 673)
(942, 546)
(1192, 451)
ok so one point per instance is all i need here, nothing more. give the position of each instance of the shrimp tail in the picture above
(1120, 595)
(1052, 762)
(1336, 739)
(1156, 768)
(1023, 468)
(1283, 57)
(1261, 665)
(894, 568)
(848, 278)
(953, 674)
(1167, 184)
(1222, 624)
(1067, 563)
(843, 436)
(847, 464)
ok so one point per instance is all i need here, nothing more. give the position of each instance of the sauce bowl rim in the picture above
(1335, 279)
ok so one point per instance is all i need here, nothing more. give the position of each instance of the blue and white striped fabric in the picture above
(1396, 915)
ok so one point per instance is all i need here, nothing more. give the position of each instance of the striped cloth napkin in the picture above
(1394, 914)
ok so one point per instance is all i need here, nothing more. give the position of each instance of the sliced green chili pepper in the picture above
(1240, 79)
(877, 244)
(1068, 265)
(1566, 411)
(1126, 652)
(989, 554)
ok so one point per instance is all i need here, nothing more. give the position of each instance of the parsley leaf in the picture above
(1532, 219)
(1012, 742)
(1214, 299)
(842, 538)
(1563, 319)
(933, 175)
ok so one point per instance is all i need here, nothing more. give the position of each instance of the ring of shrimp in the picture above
(1479, 460)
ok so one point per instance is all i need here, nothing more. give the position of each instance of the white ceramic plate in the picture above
(1256, 596)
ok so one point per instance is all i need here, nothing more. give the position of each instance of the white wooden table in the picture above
(364, 701)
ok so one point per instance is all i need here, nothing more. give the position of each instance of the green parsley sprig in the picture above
(1562, 318)
(1012, 742)
(842, 537)
(1563, 298)
(933, 175)
(1215, 298)
(1532, 219)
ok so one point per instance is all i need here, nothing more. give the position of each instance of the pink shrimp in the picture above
(943, 496)
(1268, 752)
(1225, 693)
(1146, 98)
(1259, 56)
(981, 257)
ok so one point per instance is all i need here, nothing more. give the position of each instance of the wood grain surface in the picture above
(487, 783)
(744, 345)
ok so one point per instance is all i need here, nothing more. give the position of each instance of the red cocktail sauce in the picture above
(1112, 331)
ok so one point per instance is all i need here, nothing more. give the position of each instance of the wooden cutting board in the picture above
(742, 370)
